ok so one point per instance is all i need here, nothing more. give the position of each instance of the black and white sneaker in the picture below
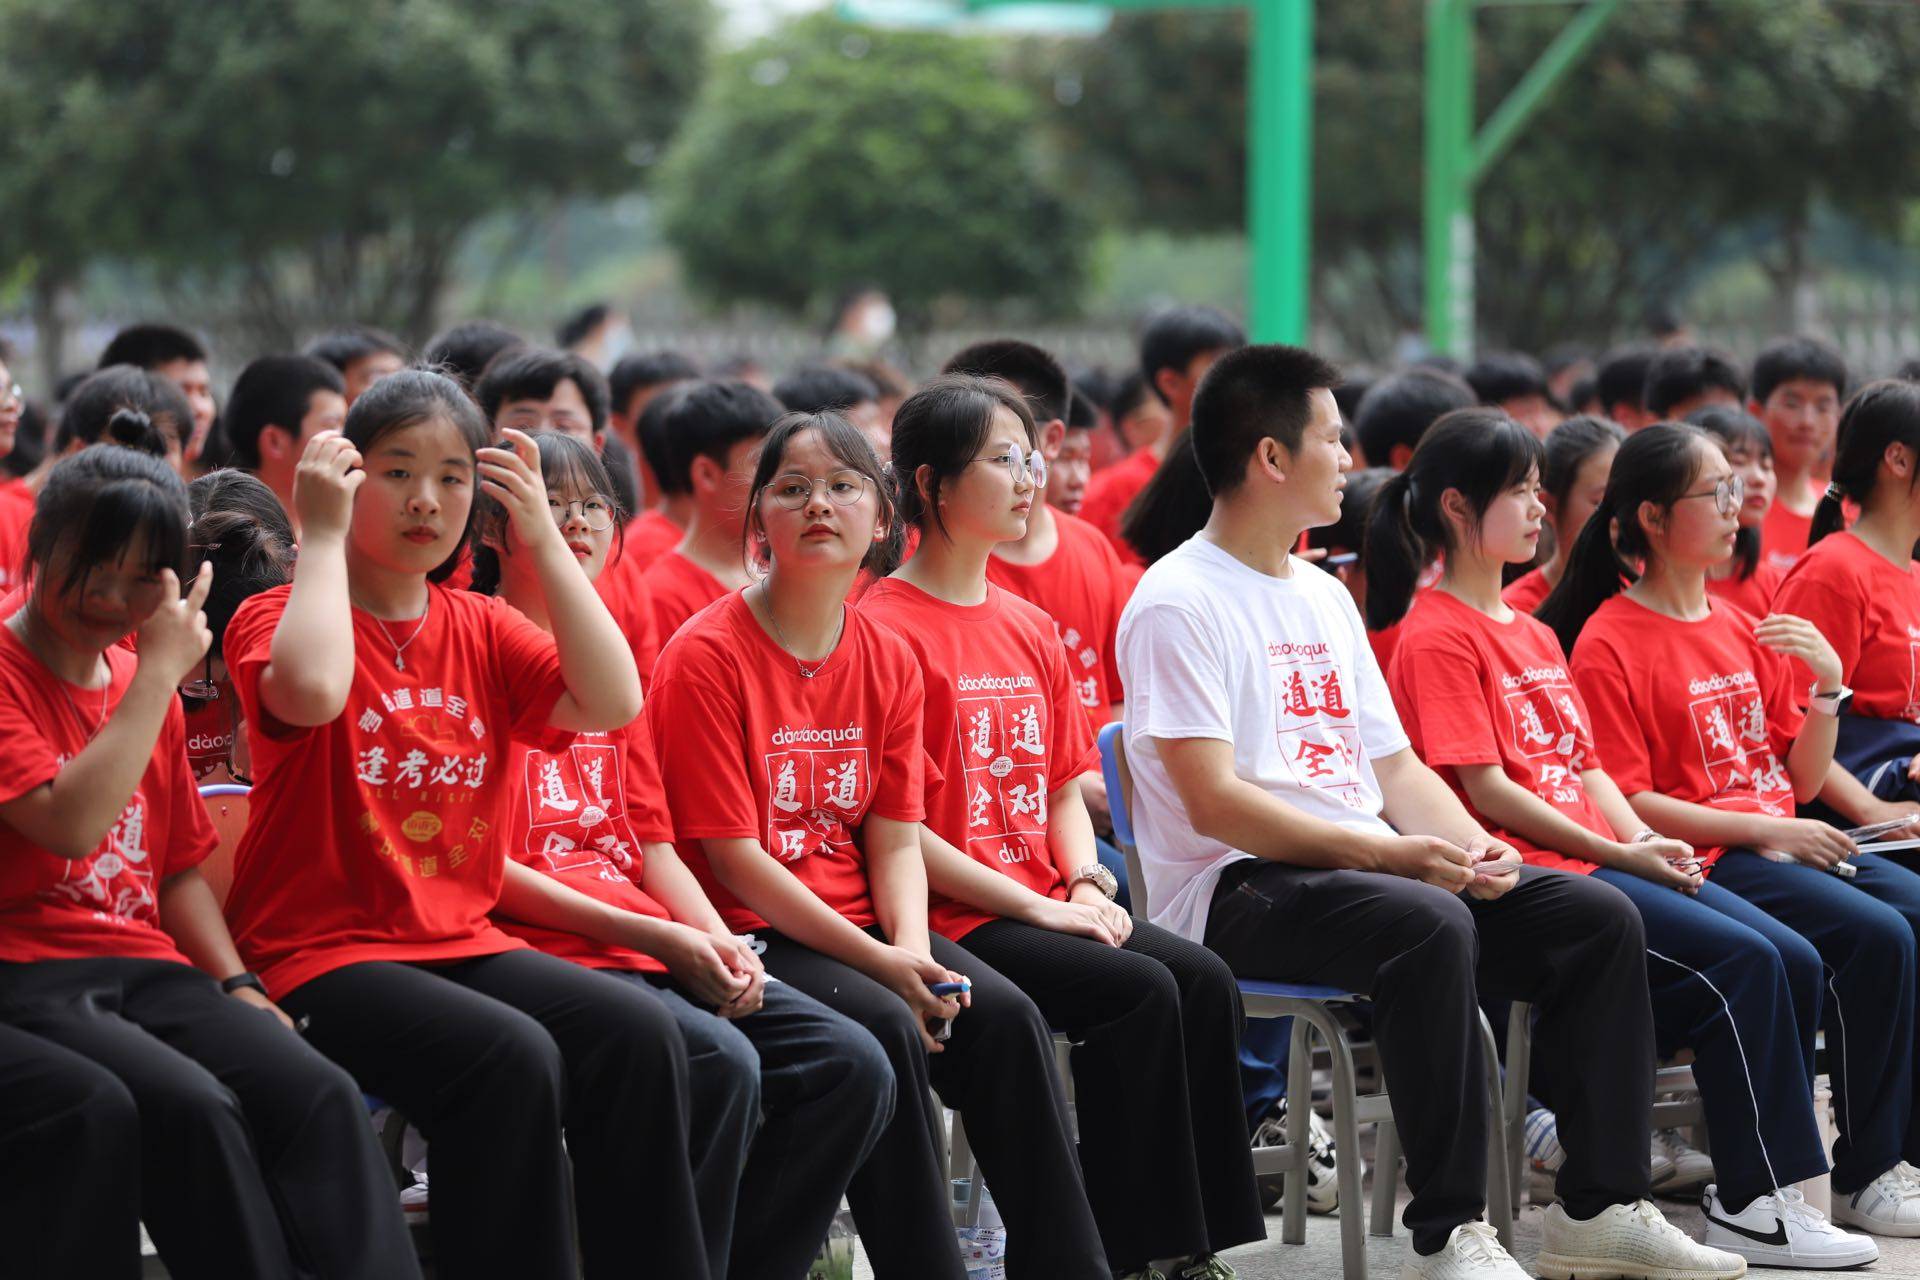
(1783, 1230)
(1323, 1182)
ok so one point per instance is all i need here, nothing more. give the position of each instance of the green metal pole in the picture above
(1541, 79)
(1447, 231)
(1280, 168)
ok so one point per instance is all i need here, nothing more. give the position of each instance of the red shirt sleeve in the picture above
(1445, 706)
(705, 772)
(906, 772)
(1785, 694)
(1617, 733)
(247, 647)
(530, 674)
(1838, 615)
(646, 792)
(29, 760)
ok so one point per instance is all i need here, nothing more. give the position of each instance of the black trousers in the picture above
(491, 1059)
(67, 1123)
(256, 1155)
(1570, 945)
(1155, 1023)
(997, 1072)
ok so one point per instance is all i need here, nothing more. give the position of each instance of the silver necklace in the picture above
(807, 672)
(100, 718)
(400, 647)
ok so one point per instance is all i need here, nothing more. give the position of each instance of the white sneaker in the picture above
(1472, 1252)
(1627, 1240)
(1783, 1230)
(1677, 1165)
(1887, 1206)
(1323, 1177)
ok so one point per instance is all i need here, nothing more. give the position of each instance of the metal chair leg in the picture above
(1293, 1210)
(1386, 1176)
(1346, 1137)
(1519, 1072)
(1499, 1195)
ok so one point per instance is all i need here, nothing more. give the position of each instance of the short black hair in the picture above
(1035, 373)
(1082, 413)
(1795, 359)
(1248, 396)
(342, 347)
(88, 415)
(581, 323)
(1678, 374)
(274, 391)
(1398, 409)
(1174, 337)
(1500, 376)
(824, 388)
(148, 346)
(704, 420)
(464, 351)
(647, 369)
(532, 373)
(1096, 386)
(1621, 377)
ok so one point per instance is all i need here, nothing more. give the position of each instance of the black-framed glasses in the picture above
(793, 490)
(1727, 495)
(596, 509)
(1023, 467)
(204, 689)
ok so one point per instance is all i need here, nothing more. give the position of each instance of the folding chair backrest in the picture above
(1119, 780)
(227, 806)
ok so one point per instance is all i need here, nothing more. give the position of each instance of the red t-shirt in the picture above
(1471, 690)
(623, 589)
(1083, 587)
(1752, 595)
(1003, 727)
(651, 535)
(1869, 611)
(582, 815)
(680, 589)
(753, 750)
(1783, 536)
(16, 513)
(461, 579)
(1526, 593)
(1112, 491)
(209, 732)
(107, 903)
(1695, 710)
(376, 836)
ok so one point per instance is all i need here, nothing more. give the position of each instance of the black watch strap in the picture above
(239, 980)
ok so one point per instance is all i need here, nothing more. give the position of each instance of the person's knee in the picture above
(1606, 913)
(1883, 936)
(866, 1076)
(735, 1059)
(521, 1063)
(98, 1117)
(191, 1098)
(1800, 968)
(1443, 925)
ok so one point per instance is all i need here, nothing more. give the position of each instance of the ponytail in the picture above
(1656, 464)
(1880, 414)
(1478, 453)
(1394, 554)
(241, 529)
(132, 429)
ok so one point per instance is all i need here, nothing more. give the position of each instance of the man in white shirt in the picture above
(1285, 822)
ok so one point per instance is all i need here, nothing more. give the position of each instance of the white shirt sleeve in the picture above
(1173, 665)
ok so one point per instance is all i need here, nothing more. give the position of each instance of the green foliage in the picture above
(1685, 120)
(827, 155)
(317, 151)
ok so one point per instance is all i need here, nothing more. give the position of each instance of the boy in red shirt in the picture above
(712, 430)
(1798, 386)
(1176, 350)
(277, 405)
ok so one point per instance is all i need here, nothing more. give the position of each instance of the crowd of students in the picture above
(668, 792)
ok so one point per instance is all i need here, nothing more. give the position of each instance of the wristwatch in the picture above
(239, 980)
(1099, 877)
(1831, 703)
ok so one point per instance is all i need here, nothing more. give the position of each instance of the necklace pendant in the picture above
(399, 663)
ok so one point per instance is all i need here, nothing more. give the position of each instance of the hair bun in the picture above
(132, 428)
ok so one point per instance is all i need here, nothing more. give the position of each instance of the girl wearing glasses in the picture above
(796, 777)
(1485, 696)
(594, 879)
(1010, 853)
(1861, 587)
(1698, 716)
(254, 1155)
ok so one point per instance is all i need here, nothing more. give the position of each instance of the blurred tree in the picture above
(324, 158)
(1693, 130)
(827, 154)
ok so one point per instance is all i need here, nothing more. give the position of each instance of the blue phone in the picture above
(949, 988)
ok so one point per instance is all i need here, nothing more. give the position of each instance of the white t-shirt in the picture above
(1280, 668)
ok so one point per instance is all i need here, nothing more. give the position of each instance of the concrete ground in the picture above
(1319, 1257)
